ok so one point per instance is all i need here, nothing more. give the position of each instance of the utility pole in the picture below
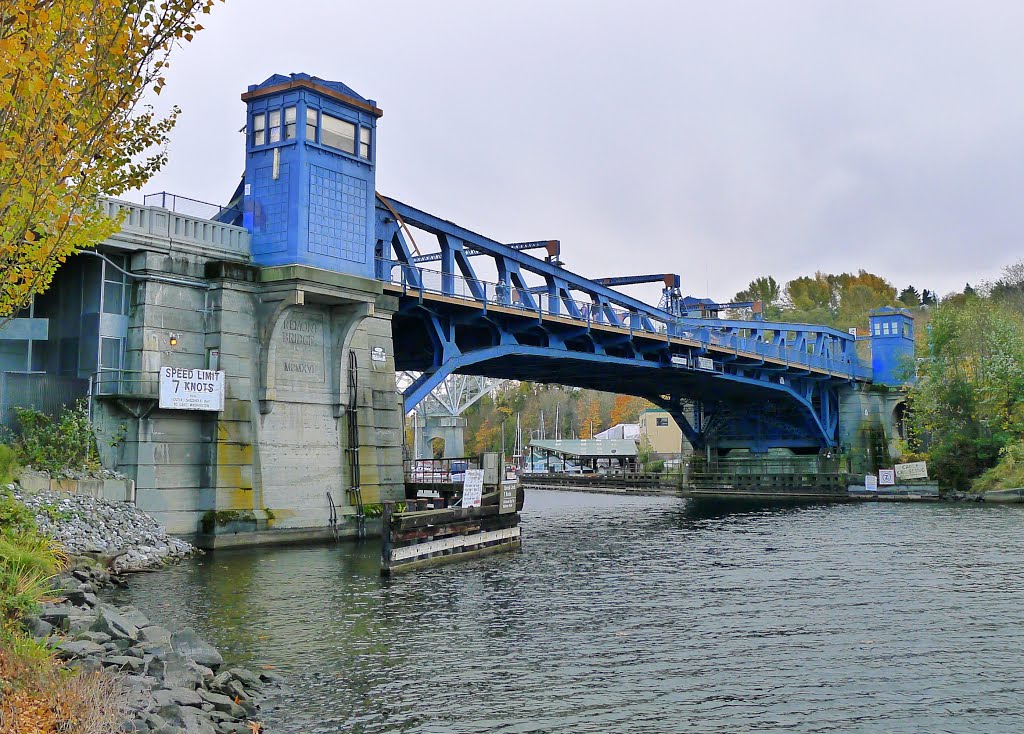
(558, 429)
(415, 435)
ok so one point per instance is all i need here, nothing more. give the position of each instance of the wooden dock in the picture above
(420, 538)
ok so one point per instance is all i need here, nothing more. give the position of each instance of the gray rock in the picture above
(135, 617)
(82, 598)
(185, 697)
(155, 633)
(175, 672)
(165, 703)
(36, 627)
(270, 677)
(155, 721)
(218, 716)
(156, 649)
(115, 625)
(80, 621)
(124, 662)
(234, 728)
(189, 644)
(205, 673)
(100, 638)
(222, 703)
(79, 649)
(86, 665)
(236, 690)
(56, 614)
(220, 680)
(189, 720)
(247, 677)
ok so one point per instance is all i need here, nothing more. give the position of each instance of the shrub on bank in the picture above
(66, 442)
(8, 465)
(1007, 474)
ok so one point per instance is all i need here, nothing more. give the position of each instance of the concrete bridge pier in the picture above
(285, 337)
(450, 428)
(870, 426)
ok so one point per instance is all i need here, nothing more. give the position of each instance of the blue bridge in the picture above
(734, 382)
(309, 198)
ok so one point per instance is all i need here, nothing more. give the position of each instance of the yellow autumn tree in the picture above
(627, 409)
(590, 416)
(73, 75)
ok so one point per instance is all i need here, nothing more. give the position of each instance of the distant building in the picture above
(621, 431)
(660, 431)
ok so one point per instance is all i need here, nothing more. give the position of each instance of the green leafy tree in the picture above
(764, 289)
(969, 401)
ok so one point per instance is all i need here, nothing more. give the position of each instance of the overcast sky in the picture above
(719, 140)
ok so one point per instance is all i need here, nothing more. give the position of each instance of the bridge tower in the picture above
(892, 345)
(309, 174)
(870, 414)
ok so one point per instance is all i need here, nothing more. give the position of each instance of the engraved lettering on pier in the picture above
(300, 347)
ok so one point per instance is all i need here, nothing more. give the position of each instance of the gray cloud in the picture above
(733, 139)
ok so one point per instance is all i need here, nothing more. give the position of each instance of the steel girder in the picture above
(465, 323)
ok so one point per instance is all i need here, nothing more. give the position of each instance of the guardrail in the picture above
(175, 227)
(109, 382)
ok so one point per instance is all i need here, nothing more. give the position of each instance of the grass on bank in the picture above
(38, 694)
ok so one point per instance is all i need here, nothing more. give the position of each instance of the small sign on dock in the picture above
(913, 470)
(473, 488)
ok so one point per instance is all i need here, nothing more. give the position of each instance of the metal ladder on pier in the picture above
(355, 492)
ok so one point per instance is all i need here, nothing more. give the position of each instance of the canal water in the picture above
(638, 614)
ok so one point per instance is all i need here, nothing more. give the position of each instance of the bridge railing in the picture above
(721, 338)
(509, 296)
(174, 227)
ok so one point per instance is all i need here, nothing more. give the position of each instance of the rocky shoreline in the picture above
(116, 534)
(174, 681)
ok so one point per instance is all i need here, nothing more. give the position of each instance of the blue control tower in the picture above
(892, 345)
(309, 174)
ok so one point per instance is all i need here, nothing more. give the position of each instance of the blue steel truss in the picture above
(756, 384)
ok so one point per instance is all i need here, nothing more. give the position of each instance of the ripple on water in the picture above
(639, 614)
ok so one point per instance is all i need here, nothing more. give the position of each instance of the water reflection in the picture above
(638, 614)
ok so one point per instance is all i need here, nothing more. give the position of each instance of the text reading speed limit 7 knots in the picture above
(182, 388)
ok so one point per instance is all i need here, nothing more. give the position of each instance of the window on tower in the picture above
(274, 123)
(259, 129)
(338, 134)
(311, 124)
(364, 142)
(289, 123)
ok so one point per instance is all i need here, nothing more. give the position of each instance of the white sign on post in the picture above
(182, 388)
(913, 470)
(704, 363)
(473, 488)
(871, 482)
(886, 477)
(678, 360)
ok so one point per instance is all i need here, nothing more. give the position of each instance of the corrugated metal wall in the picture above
(48, 393)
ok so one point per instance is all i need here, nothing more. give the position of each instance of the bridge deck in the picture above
(718, 343)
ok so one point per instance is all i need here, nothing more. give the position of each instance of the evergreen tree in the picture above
(910, 297)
